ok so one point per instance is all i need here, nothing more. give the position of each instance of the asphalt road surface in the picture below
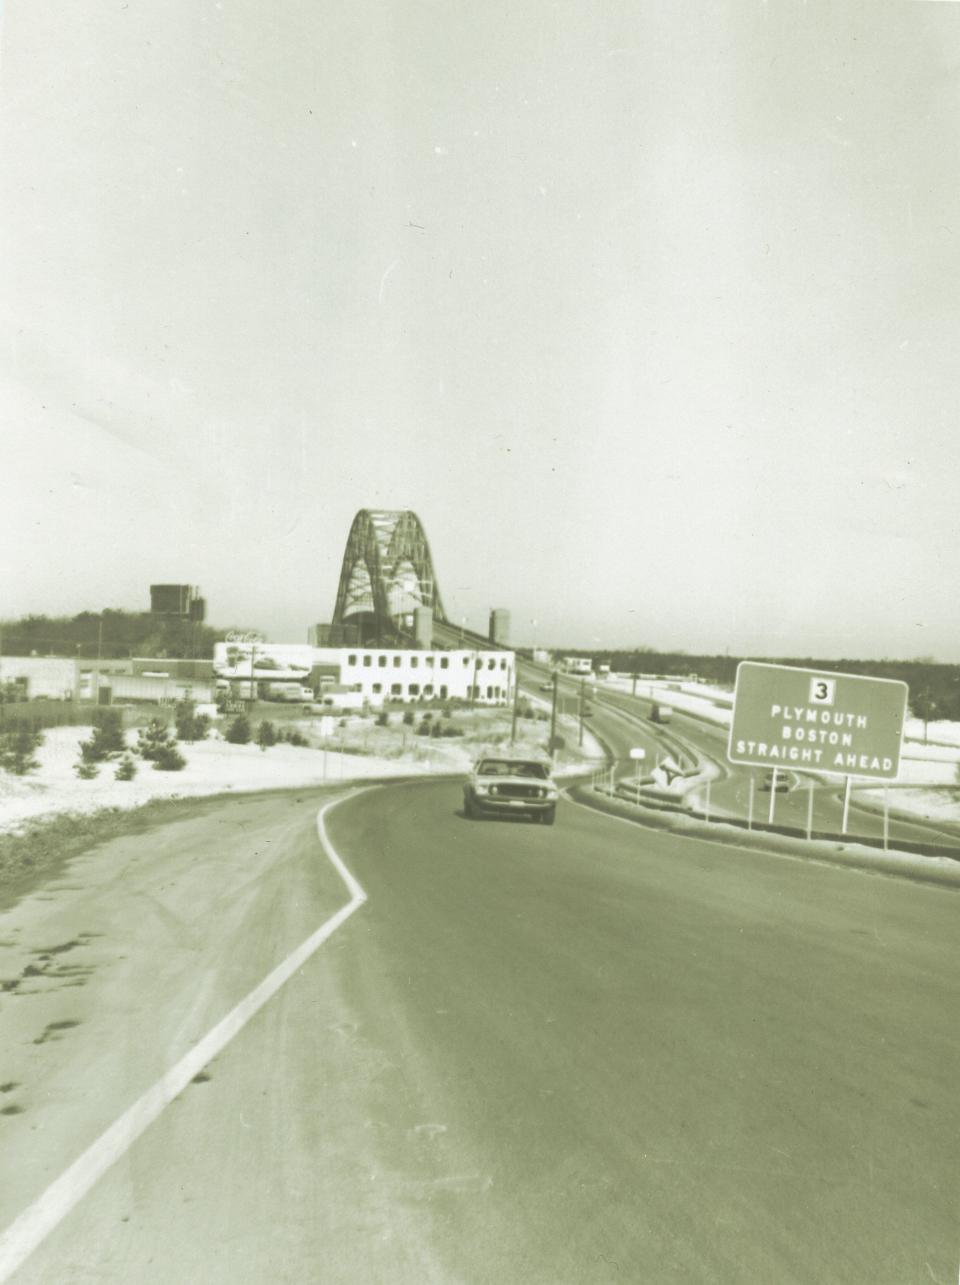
(586, 1053)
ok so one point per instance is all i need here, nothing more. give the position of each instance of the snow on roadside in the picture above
(214, 766)
(935, 805)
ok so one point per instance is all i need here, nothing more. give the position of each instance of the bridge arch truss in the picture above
(387, 573)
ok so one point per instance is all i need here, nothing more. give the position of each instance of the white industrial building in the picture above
(63, 678)
(378, 673)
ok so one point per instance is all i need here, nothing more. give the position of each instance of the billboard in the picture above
(818, 720)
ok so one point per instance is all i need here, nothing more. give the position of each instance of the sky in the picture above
(649, 310)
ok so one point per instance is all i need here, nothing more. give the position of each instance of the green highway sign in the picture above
(811, 718)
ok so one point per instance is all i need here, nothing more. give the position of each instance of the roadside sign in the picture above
(638, 754)
(825, 722)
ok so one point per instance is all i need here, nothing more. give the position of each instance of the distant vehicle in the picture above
(587, 711)
(783, 781)
(576, 665)
(508, 786)
(660, 713)
(546, 687)
(286, 692)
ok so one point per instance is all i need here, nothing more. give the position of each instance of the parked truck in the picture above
(291, 692)
(660, 713)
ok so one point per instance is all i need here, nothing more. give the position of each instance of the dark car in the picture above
(783, 781)
(510, 786)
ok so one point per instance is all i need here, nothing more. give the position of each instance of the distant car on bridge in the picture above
(509, 786)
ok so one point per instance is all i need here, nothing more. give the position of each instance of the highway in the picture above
(615, 712)
(591, 1053)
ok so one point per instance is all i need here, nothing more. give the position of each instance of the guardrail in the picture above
(671, 814)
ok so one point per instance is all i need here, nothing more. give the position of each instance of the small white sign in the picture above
(822, 691)
(638, 753)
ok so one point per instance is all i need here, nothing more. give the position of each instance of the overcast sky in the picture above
(649, 310)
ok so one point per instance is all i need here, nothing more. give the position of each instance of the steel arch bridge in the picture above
(387, 574)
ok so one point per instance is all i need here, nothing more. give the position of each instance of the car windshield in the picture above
(512, 767)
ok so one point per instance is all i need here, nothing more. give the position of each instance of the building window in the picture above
(396, 689)
(414, 662)
(396, 662)
(413, 689)
(428, 661)
(444, 662)
(382, 662)
(444, 692)
(367, 662)
(428, 690)
(503, 663)
(466, 660)
(377, 688)
(491, 663)
(351, 660)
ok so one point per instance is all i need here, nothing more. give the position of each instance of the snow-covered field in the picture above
(214, 766)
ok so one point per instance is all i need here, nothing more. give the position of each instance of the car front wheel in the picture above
(547, 817)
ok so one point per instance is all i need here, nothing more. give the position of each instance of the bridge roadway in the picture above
(590, 1053)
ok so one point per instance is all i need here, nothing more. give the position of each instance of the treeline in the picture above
(934, 688)
(110, 634)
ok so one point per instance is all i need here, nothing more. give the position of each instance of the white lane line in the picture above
(36, 1222)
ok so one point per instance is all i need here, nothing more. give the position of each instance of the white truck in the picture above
(289, 692)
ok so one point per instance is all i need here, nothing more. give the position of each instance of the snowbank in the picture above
(214, 767)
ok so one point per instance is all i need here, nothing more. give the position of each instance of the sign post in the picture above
(750, 805)
(638, 755)
(846, 805)
(773, 796)
(810, 811)
(886, 818)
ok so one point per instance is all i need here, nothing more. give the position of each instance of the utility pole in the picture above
(553, 717)
(583, 683)
(516, 707)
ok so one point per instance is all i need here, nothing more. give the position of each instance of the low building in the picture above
(49, 677)
(379, 673)
(64, 678)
